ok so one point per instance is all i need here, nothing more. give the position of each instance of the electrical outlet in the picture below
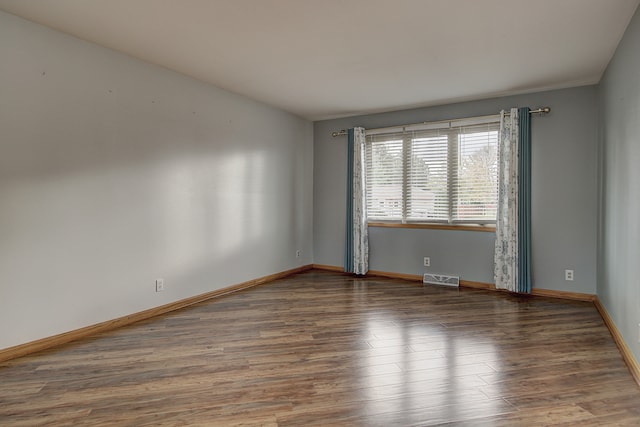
(298, 253)
(427, 261)
(639, 332)
(159, 285)
(568, 275)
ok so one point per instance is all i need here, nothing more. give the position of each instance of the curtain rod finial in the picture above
(541, 110)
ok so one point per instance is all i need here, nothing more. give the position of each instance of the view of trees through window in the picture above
(444, 175)
(477, 189)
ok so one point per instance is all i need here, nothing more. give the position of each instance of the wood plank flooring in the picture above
(324, 349)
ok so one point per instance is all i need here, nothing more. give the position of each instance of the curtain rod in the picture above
(541, 111)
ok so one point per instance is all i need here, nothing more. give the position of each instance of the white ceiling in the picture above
(331, 58)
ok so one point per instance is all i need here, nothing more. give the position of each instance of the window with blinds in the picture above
(443, 172)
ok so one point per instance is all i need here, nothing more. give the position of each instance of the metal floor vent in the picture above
(440, 279)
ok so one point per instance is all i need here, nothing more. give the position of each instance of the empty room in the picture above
(320, 213)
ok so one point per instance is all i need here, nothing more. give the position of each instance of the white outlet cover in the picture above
(159, 285)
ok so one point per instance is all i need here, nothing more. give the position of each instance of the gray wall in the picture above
(114, 172)
(619, 245)
(564, 200)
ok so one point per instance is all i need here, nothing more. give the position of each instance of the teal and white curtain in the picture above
(512, 269)
(357, 234)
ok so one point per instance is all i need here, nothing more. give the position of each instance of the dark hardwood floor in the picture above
(324, 349)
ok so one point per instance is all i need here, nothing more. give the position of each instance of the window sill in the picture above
(461, 227)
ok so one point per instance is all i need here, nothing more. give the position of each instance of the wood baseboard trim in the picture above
(576, 296)
(404, 276)
(536, 292)
(326, 267)
(391, 275)
(387, 274)
(466, 283)
(625, 351)
(65, 337)
(478, 285)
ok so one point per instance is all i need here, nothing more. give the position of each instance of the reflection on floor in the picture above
(321, 348)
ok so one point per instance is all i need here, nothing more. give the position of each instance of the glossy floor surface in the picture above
(326, 349)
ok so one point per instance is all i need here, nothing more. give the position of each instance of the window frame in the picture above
(453, 129)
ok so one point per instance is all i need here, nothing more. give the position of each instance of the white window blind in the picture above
(443, 172)
(475, 192)
(385, 176)
(427, 184)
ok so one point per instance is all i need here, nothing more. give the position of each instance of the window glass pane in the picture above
(384, 177)
(427, 178)
(476, 187)
(438, 172)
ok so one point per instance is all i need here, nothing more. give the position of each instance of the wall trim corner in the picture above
(625, 351)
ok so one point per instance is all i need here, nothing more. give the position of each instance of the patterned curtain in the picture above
(357, 233)
(525, 284)
(513, 227)
(506, 251)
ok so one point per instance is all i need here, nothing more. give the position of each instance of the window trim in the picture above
(434, 226)
(450, 127)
